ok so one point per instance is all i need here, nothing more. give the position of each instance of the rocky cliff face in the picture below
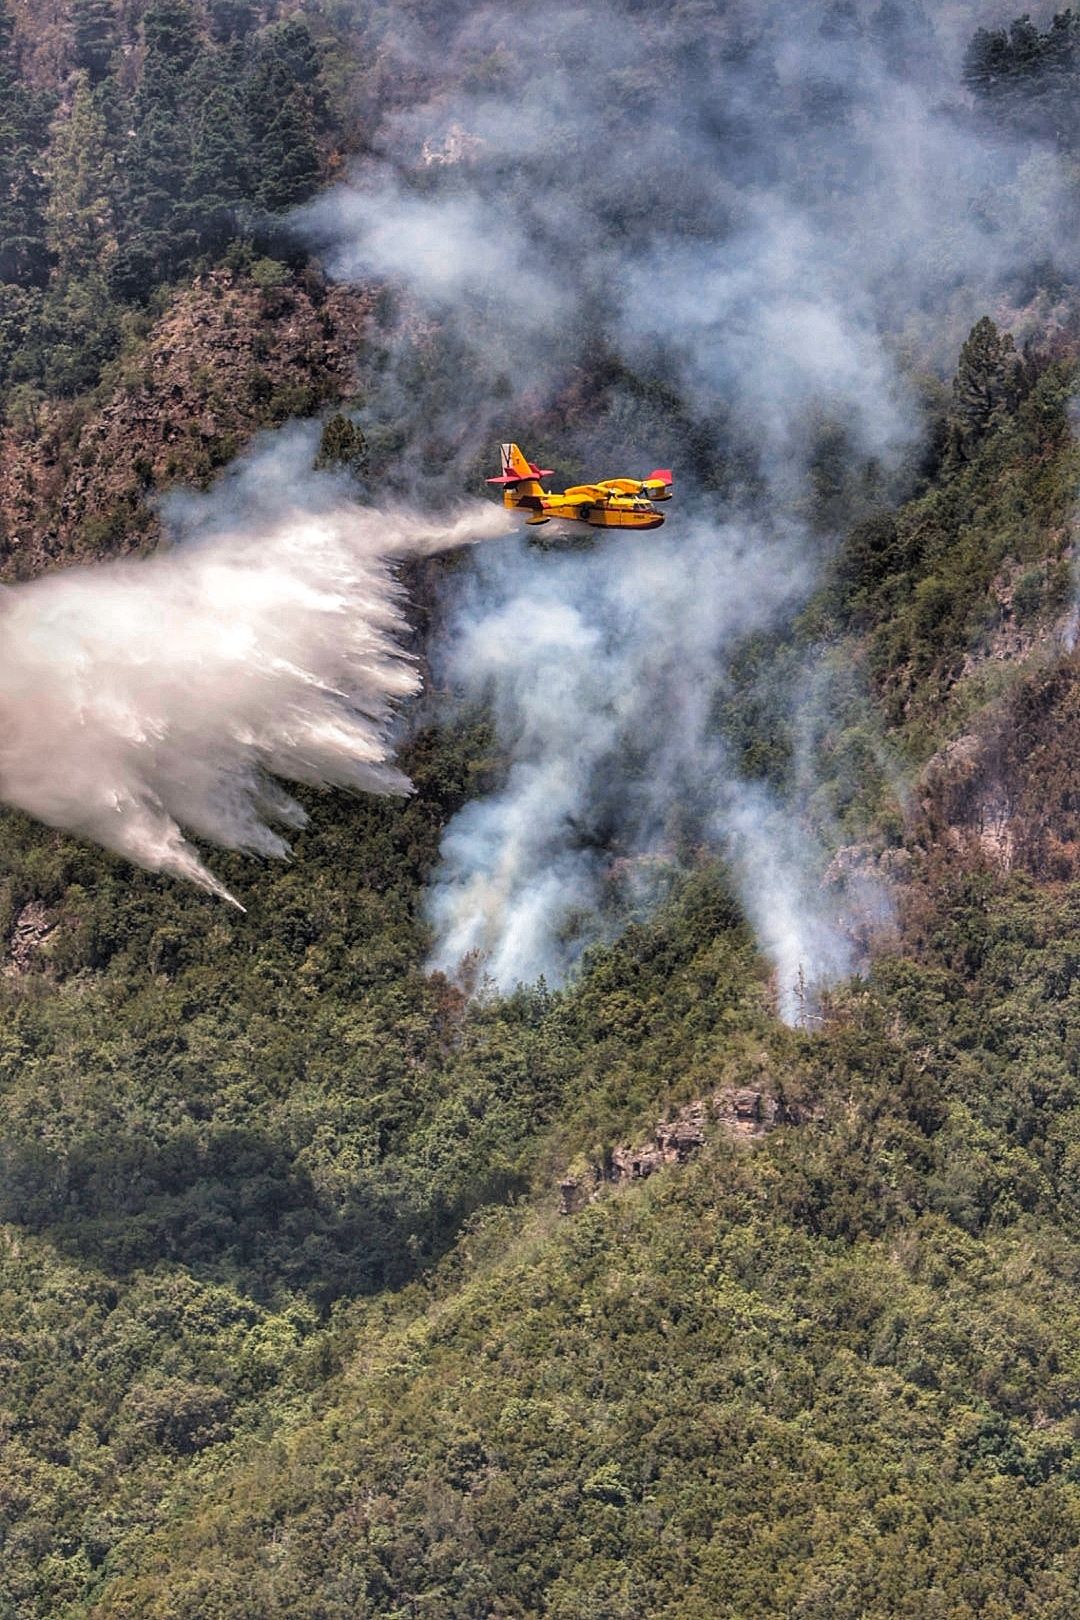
(228, 357)
(1006, 791)
(743, 1113)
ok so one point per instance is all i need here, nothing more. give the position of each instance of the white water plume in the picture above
(148, 698)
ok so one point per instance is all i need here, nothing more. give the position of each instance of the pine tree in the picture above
(20, 311)
(988, 384)
(1027, 80)
(343, 446)
(218, 174)
(986, 62)
(80, 217)
(133, 273)
(290, 46)
(24, 133)
(287, 159)
(286, 105)
(156, 174)
(95, 36)
(1025, 48)
(79, 332)
(232, 19)
(172, 36)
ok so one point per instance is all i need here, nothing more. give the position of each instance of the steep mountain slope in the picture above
(756, 1385)
(859, 1325)
(290, 1320)
(227, 357)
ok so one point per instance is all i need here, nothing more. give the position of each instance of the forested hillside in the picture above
(334, 1283)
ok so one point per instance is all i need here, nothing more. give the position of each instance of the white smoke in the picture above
(804, 931)
(810, 209)
(447, 248)
(147, 699)
(602, 668)
(750, 210)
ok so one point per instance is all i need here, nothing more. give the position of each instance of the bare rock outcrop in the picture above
(227, 358)
(32, 928)
(1007, 793)
(741, 1112)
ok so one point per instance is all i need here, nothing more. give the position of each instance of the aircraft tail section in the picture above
(520, 478)
(658, 484)
(514, 462)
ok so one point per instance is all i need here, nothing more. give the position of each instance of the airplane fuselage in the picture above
(614, 503)
(602, 511)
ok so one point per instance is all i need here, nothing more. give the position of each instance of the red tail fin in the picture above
(515, 468)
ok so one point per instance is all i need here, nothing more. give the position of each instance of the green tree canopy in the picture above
(95, 36)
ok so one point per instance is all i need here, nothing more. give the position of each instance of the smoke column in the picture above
(602, 669)
(143, 699)
(773, 215)
(721, 237)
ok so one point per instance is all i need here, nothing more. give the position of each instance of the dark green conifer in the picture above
(231, 19)
(172, 36)
(218, 176)
(287, 159)
(95, 36)
(1029, 81)
(343, 446)
(24, 125)
(987, 385)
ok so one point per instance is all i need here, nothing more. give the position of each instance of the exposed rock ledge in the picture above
(740, 1112)
(32, 928)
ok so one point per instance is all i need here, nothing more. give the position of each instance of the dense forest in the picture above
(331, 1285)
(131, 180)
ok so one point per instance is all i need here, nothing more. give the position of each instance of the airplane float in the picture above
(614, 503)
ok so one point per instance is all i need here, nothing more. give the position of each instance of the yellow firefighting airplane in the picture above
(615, 503)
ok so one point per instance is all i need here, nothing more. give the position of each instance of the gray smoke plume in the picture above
(146, 698)
(746, 225)
(602, 668)
(723, 237)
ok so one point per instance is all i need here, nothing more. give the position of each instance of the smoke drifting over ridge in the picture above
(143, 697)
(715, 236)
(751, 202)
(712, 236)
